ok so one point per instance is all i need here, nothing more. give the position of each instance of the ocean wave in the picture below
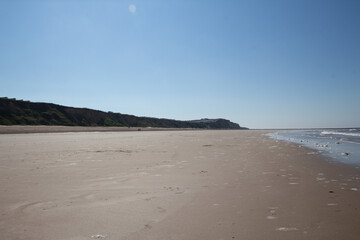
(341, 133)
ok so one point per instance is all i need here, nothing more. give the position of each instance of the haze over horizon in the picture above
(262, 64)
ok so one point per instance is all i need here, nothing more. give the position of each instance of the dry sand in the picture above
(172, 185)
(55, 129)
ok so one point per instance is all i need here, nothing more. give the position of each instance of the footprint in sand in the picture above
(161, 210)
(142, 193)
(149, 199)
(172, 188)
(148, 226)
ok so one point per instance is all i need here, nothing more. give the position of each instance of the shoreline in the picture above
(173, 185)
(336, 146)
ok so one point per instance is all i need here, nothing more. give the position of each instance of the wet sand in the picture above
(172, 185)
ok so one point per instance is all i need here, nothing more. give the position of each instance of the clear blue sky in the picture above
(260, 63)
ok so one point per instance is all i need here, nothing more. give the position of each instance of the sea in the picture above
(341, 145)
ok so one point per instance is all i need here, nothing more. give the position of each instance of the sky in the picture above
(259, 63)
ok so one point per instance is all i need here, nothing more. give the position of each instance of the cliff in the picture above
(19, 112)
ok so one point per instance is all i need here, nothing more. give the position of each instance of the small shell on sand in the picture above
(98, 236)
(287, 229)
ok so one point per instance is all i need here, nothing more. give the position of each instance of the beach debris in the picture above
(320, 178)
(287, 229)
(345, 154)
(353, 189)
(293, 183)
(312, 153)
(337, 143)
(321, 145)
(98, 236)
(272, 215)
(331, 191)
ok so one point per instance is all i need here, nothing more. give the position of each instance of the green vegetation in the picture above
(18, 112)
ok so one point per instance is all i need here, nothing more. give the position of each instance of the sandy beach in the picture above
(4, 129)
(172, 185)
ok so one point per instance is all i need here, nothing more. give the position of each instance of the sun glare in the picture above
(132, 8)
